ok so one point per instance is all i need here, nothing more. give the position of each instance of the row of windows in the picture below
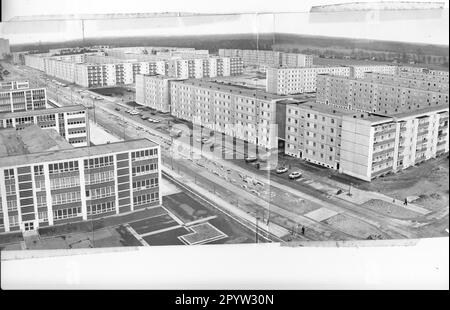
(143, 154)
(64, 182)
(144, 169)
(66, 198)
(63, 167)
(101, 208)
(66, 213)
(145, 184)
(99, 162)
(99, 177)
(143, 199)
(101, 192)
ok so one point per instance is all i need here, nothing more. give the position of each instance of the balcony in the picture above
(384, 142)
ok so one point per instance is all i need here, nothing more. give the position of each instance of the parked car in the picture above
(117, 109)
(282, 170)
(250, 159)
(295, 175)
(144, 117)
(254, 191)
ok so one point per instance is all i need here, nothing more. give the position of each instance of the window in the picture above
(12, 205)
(14, 220)
(66, 213)
(43, 216)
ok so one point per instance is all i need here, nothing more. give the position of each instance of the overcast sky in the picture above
(428, 29)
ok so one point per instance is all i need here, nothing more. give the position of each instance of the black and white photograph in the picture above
(224, 145)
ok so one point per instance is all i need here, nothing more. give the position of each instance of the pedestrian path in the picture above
(360, 196)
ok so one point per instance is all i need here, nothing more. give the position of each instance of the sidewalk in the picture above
(360, 196)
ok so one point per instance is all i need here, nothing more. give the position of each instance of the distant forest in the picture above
(321, 46)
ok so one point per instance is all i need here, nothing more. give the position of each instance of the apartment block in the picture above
(313, 132)
(17, 100)
(283, 81)
(11, 85)
(154, 91)
(415, 81)
(373, 146)
(361, 144)
(435, 76)
(71, 122)
(358, 71)
(42, 186)
(269, 58)
(238, 112)
(376, 97)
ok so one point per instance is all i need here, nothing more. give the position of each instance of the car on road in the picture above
(254, 191)
(251, 159)
(117, 109)
(134, 112)
(244, 186)
(144, 117)
(295, 175)
(282, 170)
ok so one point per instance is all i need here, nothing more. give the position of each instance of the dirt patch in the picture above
(390, 209)
(354, 227)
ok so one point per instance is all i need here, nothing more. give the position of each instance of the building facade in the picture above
(18, 100)
(154, 91)
(375, 146)
(51, 188)
(269, 58)
(10, 85)
(375, 96)
(235, 111)
(71, 122)
(358, 71)
(283, 81)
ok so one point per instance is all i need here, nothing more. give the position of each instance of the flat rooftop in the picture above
(73, 153)
(20, 90)
(435, 108)
(231, 88)
(72, 108)
(379, 82)
(30, 140)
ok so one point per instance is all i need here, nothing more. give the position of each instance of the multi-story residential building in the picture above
(42, 186)
(313, 132)
(374, 145)
(283, 81)
(358, 71)
(377, 97)
(269, 58)
(116, 67)
(10, 85)
(154, 91)
(4, 48)
(17, 100)
(413, 82)
(434, 76)
(239, 112)
(361, 144)
(71, 122)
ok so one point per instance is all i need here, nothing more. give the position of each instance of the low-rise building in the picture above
(45, 183)
(10, 85)
(17, 100)
(71, 122)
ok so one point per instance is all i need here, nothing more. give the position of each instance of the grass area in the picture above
(88, 226)
(127, 239)
(153, 224)
(12, 237)
(202, 232)
(354, 227)
(185, 207)
(169, 237)
(390, 209)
